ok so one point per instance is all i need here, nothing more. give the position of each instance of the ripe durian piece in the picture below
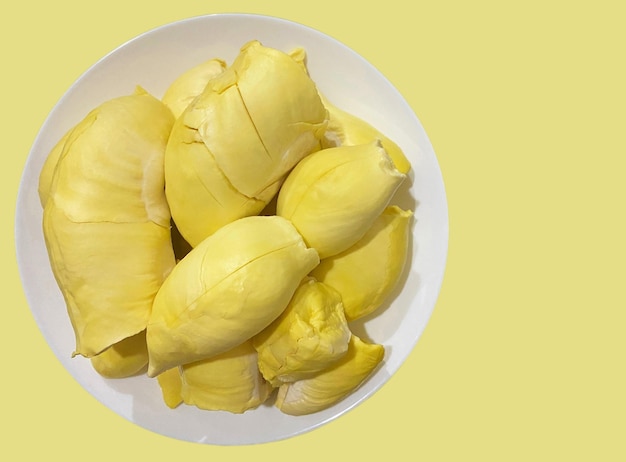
(232, 147)
(171, 384)
(333, 384)
(367, 272)
(226, 290)
(334, 195)
(190, 84)
(106, 222)
(201, 198)
(311, 334)
(345, 129)
(230, 381)
(123, 359)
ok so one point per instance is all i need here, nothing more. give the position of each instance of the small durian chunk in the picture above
(333, 384)
(310, 335)
(367, 272)
(345, 129)
(230, 381)
(171, 384)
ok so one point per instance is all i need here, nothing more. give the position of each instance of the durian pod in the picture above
(226, 290)
(171, 384)
(345, 129)
(333, 384)
(334, 195)
(232, 147)
(123, 359)
(230, 381)
(284, 110)
(367, 272)
(190, 84)
(106, 222)
(310, 335)
(201, 198)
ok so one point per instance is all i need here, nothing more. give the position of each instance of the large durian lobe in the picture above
(232, 147)
(226, 290)
(106, 222)
(333, 196)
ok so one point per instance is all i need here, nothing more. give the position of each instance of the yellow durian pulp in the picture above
(307, 337)
(190, 84)
(230, 381)
(124, 358)
(226, 290)
(231, 148)
(346, 129)
(367, 272)
(334, 195)
(201, 198)
(106, 221)
(171, 384)
(333, 384)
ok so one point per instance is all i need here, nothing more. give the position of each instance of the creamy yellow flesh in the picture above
(106, 222)
(226, 290)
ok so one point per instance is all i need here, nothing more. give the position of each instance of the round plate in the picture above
(153, 60)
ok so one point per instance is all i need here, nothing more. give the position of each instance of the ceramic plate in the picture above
(153, 60)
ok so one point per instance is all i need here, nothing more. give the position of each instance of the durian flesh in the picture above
(307, 337)
(230, 381)
(124, 358)
(334, 195)
(106, 222)
(233, 145)
(346, 129)
(366, 273)
(333, 384)
(226, 290)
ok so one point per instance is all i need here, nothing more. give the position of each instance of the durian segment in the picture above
(171, 384)
(334, 195)
(285, 110)
(106, 222)
(123, 359)
(232, 147)
(190, 84)
(230, 381)
(367, 272)
(333, 384)
(226, 290)
(201, 198)
(345, 129)
(311, 334)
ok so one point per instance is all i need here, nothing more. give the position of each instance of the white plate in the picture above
(153, 60)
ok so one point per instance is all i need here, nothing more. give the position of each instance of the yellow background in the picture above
(524, 356)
